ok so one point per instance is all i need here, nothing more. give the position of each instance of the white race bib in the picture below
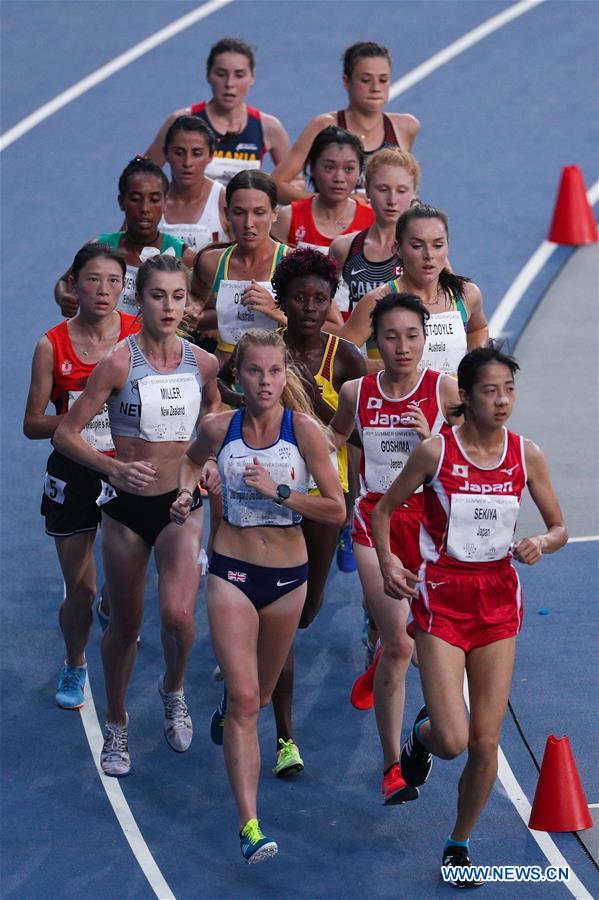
(97, 432)
(445, 344)
(385, 454)
(246, 505)
(195, 235)
(127, 301)
(223, 168)
(312, 486)
(233, 318)
(170, 406)
(342, 296)
(481, 528)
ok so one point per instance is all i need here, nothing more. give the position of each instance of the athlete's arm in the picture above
(155, 151)
(420, 467)
(275, 137)
(208, 366)
(340, 248)
(329, 507)
(530, 549)
(193, 467)
(36, 424)
(358, 327)
(64, 296)
(202, 279)
(293, 162)
(477, 329)
(343, 422)
(449, 399)
(280, 228)
(406, 128)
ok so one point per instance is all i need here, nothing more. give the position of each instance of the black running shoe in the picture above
(457, 856)
(416, 762)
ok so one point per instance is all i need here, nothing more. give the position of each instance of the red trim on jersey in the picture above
(325, 371)
(303, 229)
(389, 139)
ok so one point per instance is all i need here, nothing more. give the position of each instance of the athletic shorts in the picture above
(404, 532)
(146, 516)
(69, 498)
(470, 608)
(262, 585)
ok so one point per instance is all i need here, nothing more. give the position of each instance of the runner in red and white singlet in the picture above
(392, 411)
(466, 599)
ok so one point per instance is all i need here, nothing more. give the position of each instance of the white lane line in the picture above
(526, 276)
(593, 805)
(104, 72)
(581, 540)
(520, 801)
(452, 50)
(119, 805)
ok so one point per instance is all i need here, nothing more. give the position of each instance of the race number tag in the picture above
(342, 297)
(246, 506)
(127, 300)
(97, 432)
(386, 451)
(170, 405)
(481, 528)
(194, 234)
(223, 168)
(233, 318)
(445, 344)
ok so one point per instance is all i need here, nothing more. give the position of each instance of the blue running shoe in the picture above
(346, 561)
(255, 847)
(70, 687)
(103, 619)
(217, 722)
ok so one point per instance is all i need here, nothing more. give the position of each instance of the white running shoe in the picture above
(178, 727)
(114, 758)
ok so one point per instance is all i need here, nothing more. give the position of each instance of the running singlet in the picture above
(127, 299)
(470, 513)
(387, 445)
(208, 228)
(389, 140)
(304, 233)
(157, 406)
(446, 341)
(70, 376)
(233, 318)
(324, 380)
(234, 152)
(360, 275)
(245, 506)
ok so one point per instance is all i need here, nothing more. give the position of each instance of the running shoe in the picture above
(455, 855)
(178, 727)
(289, 761)
(217, 722)
(103, 619)
(255, 847)
(70, 687)
(416, 761)
(114, 758)
(362, 692)
(394, 789)
(346, 561)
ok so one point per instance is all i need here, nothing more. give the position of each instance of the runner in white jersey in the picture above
(258, 570)
(155, 386)
(195, 204)
(392, 410)
(466, 598)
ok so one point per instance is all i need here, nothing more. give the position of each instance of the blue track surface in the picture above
(498, 123)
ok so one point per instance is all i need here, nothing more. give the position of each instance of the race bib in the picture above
(481, 528)
(445, 344)
(386, 451)
(245, 506)
(342, 297)
(223, 168)
(97, 432)
(107, 494)
(170, 406)
(127, 301)
(233, 318)
(195, 235)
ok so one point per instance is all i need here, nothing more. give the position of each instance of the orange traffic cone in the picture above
(559, 803)
(573, 220)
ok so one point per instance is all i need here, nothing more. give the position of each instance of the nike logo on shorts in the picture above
(285, 583)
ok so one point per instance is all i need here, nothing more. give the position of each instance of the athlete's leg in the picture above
(389, 681)
(76, 557)
(321, 541)
(489, 680)
(126, 557)
(177, 549)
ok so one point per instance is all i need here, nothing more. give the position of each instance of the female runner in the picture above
(153, 385)
(466, 599)
(195, 204)
(393, 411)
(367, 79)
(335, 163)
(457, 321)
(234, 284)
(64, 359)
(244, 134)
(264, 452)
(143, 189)
(368, 259)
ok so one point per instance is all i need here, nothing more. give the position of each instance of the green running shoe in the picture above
(289, 761)
(255, 847)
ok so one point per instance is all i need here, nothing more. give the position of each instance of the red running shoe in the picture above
(362, 692)
(394, 788)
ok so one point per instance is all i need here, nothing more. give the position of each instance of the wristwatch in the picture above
(283, 493)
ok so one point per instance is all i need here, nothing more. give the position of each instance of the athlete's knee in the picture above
(482, 748)
(122, 632)
(79, 595)
(243, 704)
(178, 620)
(397, 649)
(450, 741)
